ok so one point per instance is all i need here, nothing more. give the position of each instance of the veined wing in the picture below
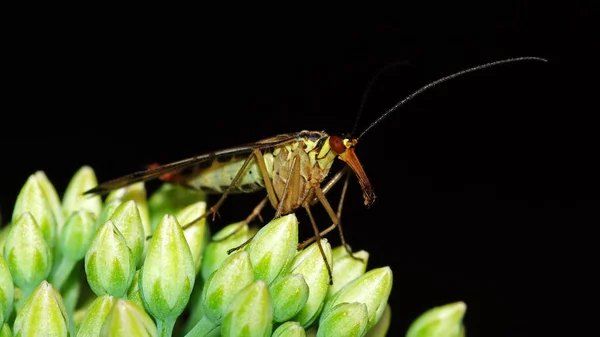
(156, 172)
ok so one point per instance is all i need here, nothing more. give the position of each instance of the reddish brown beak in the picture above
(350, 158)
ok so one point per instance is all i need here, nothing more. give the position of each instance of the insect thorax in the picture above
(312, 160)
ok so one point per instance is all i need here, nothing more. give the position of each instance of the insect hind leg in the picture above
(213, 210)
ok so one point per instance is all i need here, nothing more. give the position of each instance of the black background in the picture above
(487, 185)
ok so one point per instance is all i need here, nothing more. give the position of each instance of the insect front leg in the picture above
(335, 179)
(334, 217)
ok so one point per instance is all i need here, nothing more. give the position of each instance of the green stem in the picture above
(62, 271)
(204, 328)
(165, 327)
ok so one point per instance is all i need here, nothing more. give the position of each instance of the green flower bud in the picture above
(7, 291)
(250, 313)
(170, 199)
(77, 235)
(345, 268)
(372, 288)
(95, 316)
(3, 235)
(107, 212)
(196, 235)
(5, 331)
(128, 319)
(43, 314)
(133, 293)
(309, 262)
(52, 198)
(168, 273)
(32, 199)
(75, 239)
(216, 251)
(344, 319)
(380, 329)
(74, 199)
(27, 254)
(273, 247)
(128, 220)
(137, 193)
(222, 285)
(442, 321)
(290, 294)
(289, 329)
(109, 264)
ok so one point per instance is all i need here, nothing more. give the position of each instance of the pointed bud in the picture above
(234, 274)
(51, 197)
(133, 293)
(74, 200)
(346, 268)
(77, 235)
(309, 262)
(107, 211)
(196, 235)
(27, 254)
(5, 331)
(7, 291)
(344, 319)
(168, 273)
(137, 193)
(216, 251)
(95, 316)
(128, 220)
(109, 264)
(290, 294)
(171, 199)
(128, 319)
(250, 313)
(289, 329)
(444, 321)
(372, 288)
(273, 247)
(43, 314)
(380, 329)
(3, 235)
(32, 199)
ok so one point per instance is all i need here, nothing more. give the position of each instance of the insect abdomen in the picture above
(218, 177)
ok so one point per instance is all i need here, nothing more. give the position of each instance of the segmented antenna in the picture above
(444, 79)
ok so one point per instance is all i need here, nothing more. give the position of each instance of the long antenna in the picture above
(368, 90)
(444, 79)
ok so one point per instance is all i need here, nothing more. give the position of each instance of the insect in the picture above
(293, 169)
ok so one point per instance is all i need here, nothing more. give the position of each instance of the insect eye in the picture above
(337, 144)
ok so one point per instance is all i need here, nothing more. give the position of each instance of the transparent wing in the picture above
(158, 171)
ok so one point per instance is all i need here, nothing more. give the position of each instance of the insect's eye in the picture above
(337, 144)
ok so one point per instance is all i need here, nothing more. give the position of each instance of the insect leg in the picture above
(332, 182)
(265, 174)
(339, 212)
(316, 230)
(255, 213)
(271, 195)
(215, 207)
(335, 217)
(293, 178)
